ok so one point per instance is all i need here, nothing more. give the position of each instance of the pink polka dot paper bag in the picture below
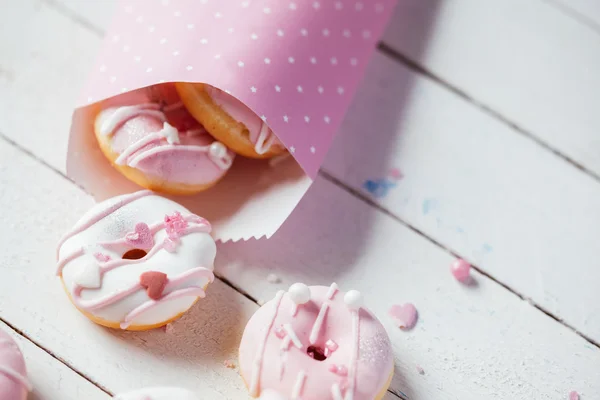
(295, 63)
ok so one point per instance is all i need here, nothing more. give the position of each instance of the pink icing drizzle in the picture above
(159, 152)
(97, 217)
(342, 388)
(176, 226)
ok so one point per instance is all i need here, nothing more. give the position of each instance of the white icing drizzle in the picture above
(336, 392)
(123, 114)
(266, 139)
(216, 151)
(299, 385)
(292, 335)
(354, 357)
(314, 333)
(294, 309)
(165, 133)
(14, 375)
(256, 368)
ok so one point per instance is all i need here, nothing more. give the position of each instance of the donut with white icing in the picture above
(136, 261)
(230, 121)
(158, 393)
(316, 343)
(161, 147)
(13, 374)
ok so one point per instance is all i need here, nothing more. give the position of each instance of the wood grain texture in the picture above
(33, 300)
(527, 61)
(473, 343)
(479, 342)
(51, 379)
(501, 198)
(523, 215)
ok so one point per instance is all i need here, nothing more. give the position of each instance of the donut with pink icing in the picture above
(230, 121)
(161, 147)
(136, 261)
(316, 343)
(158, 393)
(13, 374)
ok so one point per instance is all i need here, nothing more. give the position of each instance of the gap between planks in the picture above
(60, 360)
(402, 59)
(380, 208)
(218, 276)
(575, 14)
(413, 66)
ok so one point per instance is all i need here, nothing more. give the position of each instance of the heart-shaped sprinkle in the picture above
(170, 245)
(404, 315)
(155, 283)
(89, 276)
(142, 237)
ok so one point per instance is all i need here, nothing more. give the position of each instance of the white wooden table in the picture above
(489, 109)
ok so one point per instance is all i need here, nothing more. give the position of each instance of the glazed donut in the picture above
(230, 121)
(158, 393)
(157, 147)
(316, 343)
(136, 261)
(13, 374)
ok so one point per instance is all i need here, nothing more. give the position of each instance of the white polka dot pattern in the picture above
(297, 63)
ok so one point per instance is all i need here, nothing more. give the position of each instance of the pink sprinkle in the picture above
(170, 244)
(175, 225)
(169, 328)
(404, 315)
(461, 270)
(573, 395)
(338, 369)
(229, 364)
(280, 332)
(102, 257)
(331, 345)
(142, 237)
(420, 370)
(396, 174)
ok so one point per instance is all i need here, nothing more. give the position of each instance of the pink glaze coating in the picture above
(357, 367)
(13, 374)
(145, 140)
(261, 136)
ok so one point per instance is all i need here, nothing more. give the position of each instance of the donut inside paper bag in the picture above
(226, 107)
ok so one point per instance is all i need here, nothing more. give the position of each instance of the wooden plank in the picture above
(51, 379)
(41, 75)
(585, 11)
(521, 214)
(32, 299)
(477, 342)
(527, 61)
(472, 342)
(518, 183)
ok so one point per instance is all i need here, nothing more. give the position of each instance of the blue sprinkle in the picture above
(460, 230)
(378, 188)
(428, 205)
(487, 248)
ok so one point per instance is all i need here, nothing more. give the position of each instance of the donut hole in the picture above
(134, 254)
(316, 352)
